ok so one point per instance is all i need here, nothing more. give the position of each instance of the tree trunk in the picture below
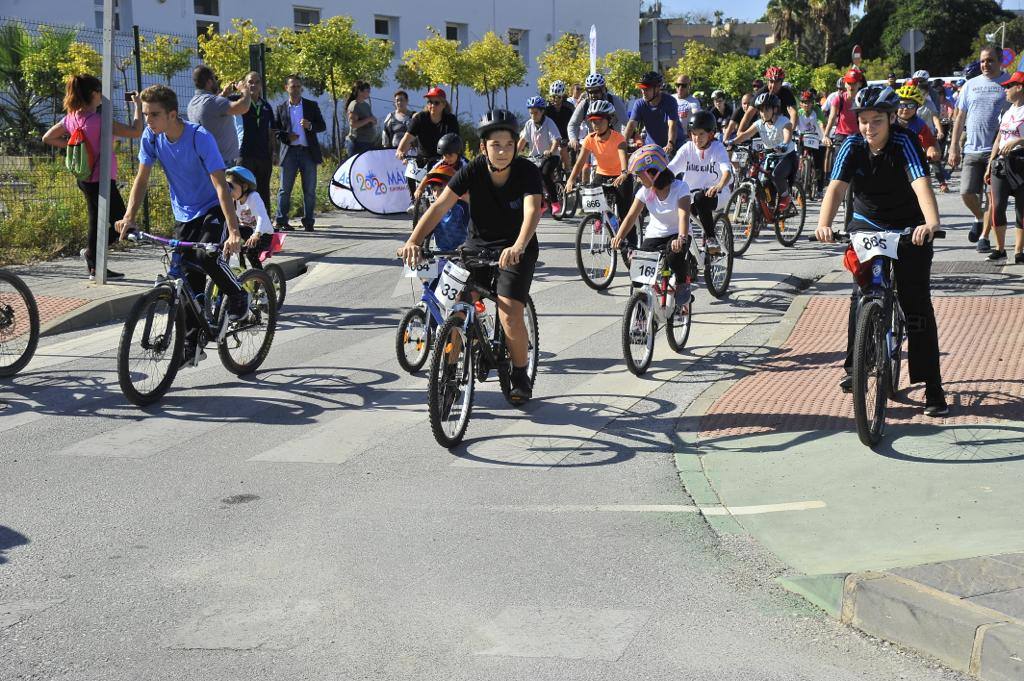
(506, 97)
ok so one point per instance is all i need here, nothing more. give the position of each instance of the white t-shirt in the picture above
(664, 213)
(253, 214)
(771, 135)
(539, 138)
(808, 124)
(1011, 124)
(685, 108)
(702, 168)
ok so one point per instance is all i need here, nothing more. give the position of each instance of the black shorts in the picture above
(210, 227)
(511, 282)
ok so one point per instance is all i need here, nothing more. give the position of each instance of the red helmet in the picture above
(805, 96)
(775, 73)
(854, 75)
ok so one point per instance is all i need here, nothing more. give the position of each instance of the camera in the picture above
(129, 95)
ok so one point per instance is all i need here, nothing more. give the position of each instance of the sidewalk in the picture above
(920, 541)
(68, 301)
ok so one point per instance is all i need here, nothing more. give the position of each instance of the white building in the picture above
(532, 24)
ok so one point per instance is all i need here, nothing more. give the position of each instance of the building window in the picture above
(453, 31)
(305, 17)
(519, 39)
(382, 26)
(208, 7)
(99, 15)
(203, 24)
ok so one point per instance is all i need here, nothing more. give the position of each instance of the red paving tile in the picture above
(981, 339)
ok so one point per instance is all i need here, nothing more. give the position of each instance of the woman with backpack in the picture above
(81, 128)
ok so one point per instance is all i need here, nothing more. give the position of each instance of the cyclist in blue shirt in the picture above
(657, 111)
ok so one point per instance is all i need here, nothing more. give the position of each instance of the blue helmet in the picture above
(243, 173)
(536, 102)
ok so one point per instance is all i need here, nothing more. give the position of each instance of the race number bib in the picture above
(425, 270)
(451, 284)
(593, 200)
(869, 245)
(740, 156)
(644, 267)
(812, 141)
(414, 172)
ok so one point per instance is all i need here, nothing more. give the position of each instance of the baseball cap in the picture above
(1016, 79)
(436, 92)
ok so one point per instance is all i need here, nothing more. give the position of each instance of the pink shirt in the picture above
(90, 124)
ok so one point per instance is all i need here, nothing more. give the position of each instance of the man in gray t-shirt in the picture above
(216, 112)
(981, 102)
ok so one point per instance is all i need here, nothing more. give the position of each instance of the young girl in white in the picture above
(254, 222)
(703, 164)
(668, 203)
(1008, 144)
(776, 132)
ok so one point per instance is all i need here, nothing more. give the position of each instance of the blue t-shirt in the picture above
(655, 119)
(453, 229)
(187, 164)
(983, 101)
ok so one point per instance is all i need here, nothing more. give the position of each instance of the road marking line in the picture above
(674, 508)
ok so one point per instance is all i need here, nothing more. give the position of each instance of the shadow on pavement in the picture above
(8, 540)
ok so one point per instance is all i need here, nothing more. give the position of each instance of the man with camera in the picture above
(216, 112)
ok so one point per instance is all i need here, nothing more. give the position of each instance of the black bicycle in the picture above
(152, 344)
(19, 324)
(470, 344)
(880, 328)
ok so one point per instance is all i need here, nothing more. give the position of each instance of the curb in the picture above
(116, 306)
(962, 635)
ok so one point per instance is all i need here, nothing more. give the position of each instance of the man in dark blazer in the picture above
(298, 120)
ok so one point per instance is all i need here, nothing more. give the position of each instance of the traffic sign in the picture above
(912, 41)
(857, 55)
(1008, 56)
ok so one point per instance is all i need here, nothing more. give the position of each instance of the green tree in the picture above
(164, 56)
(53, 55)
(734, 73)
(786, 55)
(947, 42)
(878, 69)
(227, 53)
(20, 105)
(333, 53)
(698, 62)
(623, 70)
(823, 78)
(831, 20)
(437, 61)
(567, 59)
(496, 65)
(1014, 35)
(410, 79)
(788, 19)
(732, 41)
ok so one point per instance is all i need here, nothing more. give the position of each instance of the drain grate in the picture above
(966, 267)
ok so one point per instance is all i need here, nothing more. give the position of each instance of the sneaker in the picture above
(984, 246)
(712, 246)
(522, 390)
(935, 401)
(846, 385)
(1018, 258)
(556, 207)
(238, 306)
(88, 265)
(975, 232)
(997, 255)
(784, 203)
(308, 228)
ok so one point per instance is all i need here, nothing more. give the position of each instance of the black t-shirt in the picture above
(737, 115)
(560, 117)
(722, 117)
(881, 182)
(785, 96)
(497, 212)
(427, 133)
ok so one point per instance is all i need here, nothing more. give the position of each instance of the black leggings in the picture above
(208, 228)
(1001, 194)
(92, 199)
(704, 207)
(819, 164)
(676, 261)
(548, 167)
(783, 172)
(623, 194)
(253, 254)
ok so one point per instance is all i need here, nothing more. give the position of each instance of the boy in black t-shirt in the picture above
(504, 202)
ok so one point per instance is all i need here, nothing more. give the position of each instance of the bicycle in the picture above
(807, 172)
(755, 202)
(470, 344)
(596, 260)
(416, 172)
(880, 328)
(568, 201)
(651, 303)
(716, 269)
(273, 270)
(559, 193)
(151, 348)
(19, 324)
(418, 327)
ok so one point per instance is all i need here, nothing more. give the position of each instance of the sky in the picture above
(748, 10)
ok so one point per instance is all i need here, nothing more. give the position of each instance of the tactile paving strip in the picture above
(797, 389)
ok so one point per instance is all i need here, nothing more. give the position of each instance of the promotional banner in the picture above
(340, 189)
(377, 181)
(593, 48)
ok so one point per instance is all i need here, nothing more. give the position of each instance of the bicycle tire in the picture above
(585, 240)
(718, 270)
(532, 353)
(15, 322)
(896, 357)
(276, 274)
(420, 340)
(807, 175)
(420, 207)
(262, 317)
(145, 308)
(639, 329)
(786, 234)
(559, 215)
(440, 376)
(870, 360)
(742, 211)
(572, 202)
(677, 329)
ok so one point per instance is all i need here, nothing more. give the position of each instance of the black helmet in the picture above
(876, 98)
(497, 119)
(971, 70)
(652, 79)
(766, 99)
(704, 120)
(449, 144)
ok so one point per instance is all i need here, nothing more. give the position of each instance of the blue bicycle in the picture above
(419, 325)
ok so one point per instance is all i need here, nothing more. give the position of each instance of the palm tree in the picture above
(788, 19)
(833, 18)
(19, 105)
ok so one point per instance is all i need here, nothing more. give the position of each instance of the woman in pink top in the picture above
(81, 101)
(841, 115)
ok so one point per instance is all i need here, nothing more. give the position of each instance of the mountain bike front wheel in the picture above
(899, 333)
(412, 341)
(870, 372)
(742, 213)
(595, 258)
(276, 274)
(450, 387)
(19, 324)
(559, 199)
(718, 268)
(677, 330)
(791, 224)
(149, 353)
(247, 342)
(638, 333)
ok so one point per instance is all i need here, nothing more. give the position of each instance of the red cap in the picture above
(1016, 79)
(853, 76)
(436, 92)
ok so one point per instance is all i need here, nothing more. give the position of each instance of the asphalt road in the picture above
(302, 523)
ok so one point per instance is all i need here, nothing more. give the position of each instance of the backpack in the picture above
(79, 158)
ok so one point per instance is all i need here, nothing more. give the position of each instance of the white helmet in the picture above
(594, 80)
(601, 107)
(556, 89)
(921, 74)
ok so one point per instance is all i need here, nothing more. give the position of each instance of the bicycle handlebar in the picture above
(138, 235)
(844, 237)
(482, 256)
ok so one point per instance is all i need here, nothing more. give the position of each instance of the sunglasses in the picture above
(907, 105)
(682, 85)
(594, 91)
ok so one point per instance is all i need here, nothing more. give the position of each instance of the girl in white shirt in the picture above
(703, 164)
(1008, 155)
(776, 132)
(253, 220)
(668, 203)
